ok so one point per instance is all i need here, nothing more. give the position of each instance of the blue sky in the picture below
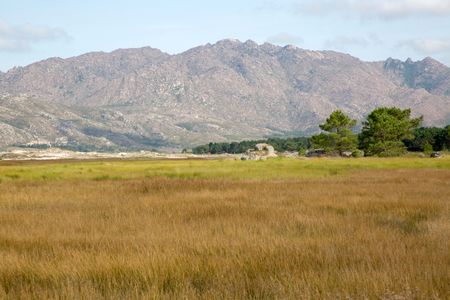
(33, 30)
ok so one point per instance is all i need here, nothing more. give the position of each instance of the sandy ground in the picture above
(55, 153)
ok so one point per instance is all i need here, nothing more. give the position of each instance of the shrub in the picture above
(302, 151)
(358, 153)
(427, 148)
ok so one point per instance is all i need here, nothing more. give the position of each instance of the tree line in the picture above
(279, 144)
(387, 131)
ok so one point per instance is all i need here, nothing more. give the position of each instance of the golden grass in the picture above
(188, 229)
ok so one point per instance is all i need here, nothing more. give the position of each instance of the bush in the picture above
(427, 148)
(302, 151)
(358, 153)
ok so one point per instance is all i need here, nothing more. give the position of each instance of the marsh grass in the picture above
(280, 168)
(334, 229)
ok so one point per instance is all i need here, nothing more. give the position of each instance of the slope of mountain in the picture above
(144, 98)
(27, 121)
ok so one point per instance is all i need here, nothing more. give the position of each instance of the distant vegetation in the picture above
(388, 131)
(429, 139)
(280, 144)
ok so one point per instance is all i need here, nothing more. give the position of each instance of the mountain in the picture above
(231, 90)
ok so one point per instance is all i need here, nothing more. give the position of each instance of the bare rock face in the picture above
(144, 98)
(428, 74)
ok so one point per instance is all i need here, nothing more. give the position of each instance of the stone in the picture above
(266, 147)
(435, 155)
(261, 152)
(315, 153)
(346, 154)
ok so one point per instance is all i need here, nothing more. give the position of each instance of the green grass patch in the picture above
(280, 168)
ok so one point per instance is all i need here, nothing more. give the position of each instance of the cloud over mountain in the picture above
(428, 46)
(283, 39)
(17, 38)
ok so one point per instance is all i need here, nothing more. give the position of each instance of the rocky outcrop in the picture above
(267, 149)
(427, 74)
(261, 152)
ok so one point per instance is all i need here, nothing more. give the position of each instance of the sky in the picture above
(371, 30)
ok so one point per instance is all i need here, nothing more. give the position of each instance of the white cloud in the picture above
(12, 46)
(17, 38)
(283, 39)
(427, 46)
(386, 9)
(342, 42)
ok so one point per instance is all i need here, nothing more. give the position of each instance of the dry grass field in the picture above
(277, 229)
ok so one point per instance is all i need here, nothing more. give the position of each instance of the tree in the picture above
(448, 137)
(384, 130)
(340, 137)
(200, 149)
(323, 141)
(434, 136)
(233, 147)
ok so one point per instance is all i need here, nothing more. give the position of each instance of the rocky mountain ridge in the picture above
(144, 98)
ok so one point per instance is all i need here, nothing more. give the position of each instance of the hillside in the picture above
(144, 98)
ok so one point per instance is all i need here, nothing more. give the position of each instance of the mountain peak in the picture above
(428, 74)
(432, 62)
(251, 43)
(290, 47)
(229, 41)
(142, 98)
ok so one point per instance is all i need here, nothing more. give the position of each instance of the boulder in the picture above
(315, 153)
(435, 155)
(266, 147)
(261, 152)
(346, 154)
